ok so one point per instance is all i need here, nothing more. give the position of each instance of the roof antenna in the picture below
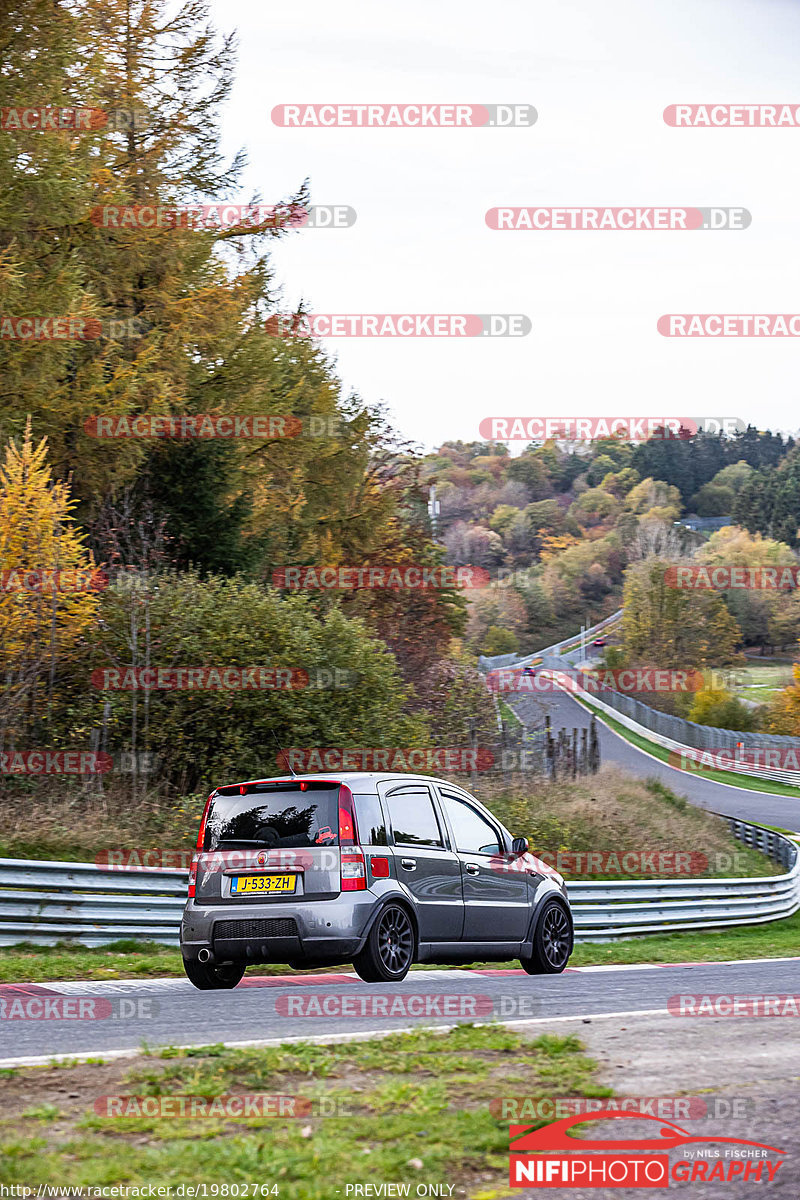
(281, 755)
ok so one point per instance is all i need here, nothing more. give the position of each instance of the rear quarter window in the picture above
(370, 821)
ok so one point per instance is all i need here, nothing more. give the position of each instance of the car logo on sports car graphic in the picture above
(524, 1138)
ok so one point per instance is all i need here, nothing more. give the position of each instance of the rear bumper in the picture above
(330, 929)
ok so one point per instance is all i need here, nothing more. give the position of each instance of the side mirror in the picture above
(520, 846)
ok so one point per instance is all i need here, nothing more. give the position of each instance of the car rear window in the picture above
(274, 818)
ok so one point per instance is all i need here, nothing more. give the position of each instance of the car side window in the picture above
(413, 818)
(473, 833)
(370, 822)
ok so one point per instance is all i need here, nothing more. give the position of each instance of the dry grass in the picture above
(614, 811)
(48, 820)
(609, 811)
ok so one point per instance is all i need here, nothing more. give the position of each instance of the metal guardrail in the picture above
(491, 663)
(47, 902)
(572, 642)
(699, 737)
(606, 911)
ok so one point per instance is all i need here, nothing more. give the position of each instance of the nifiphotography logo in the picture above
(611, 1163)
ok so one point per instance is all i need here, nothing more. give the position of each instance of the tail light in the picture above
(193, 875)
(354, 872)
(348, 833)
(201, 833)
(201, 837)
(353, 866)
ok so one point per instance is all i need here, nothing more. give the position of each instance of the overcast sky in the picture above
(599, 76)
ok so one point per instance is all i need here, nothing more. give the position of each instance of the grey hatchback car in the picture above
(374, 869)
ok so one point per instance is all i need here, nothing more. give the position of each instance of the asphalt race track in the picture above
(564, 710)
(122, 1015)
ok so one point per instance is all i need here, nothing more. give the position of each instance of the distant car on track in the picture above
(381, 870)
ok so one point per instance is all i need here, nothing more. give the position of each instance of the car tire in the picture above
(208, 977)
(552, 941)
(388, 951)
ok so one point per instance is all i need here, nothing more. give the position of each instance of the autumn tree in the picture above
(353, 694)
(783, 710)
(665, 626)
(653, 497)
(718, 707)
(198, 292)
(45, 182)
(766, 617)
(48, 585)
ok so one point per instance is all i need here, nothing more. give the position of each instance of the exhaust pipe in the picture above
(204, 955)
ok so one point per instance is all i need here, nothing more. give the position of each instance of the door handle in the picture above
(410, 864)
(471, 868)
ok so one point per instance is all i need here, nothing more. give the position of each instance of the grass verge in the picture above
(407, 1109)
(762, 681)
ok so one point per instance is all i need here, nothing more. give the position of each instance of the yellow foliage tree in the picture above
(784, 708)
(48, 579)
(668, 627)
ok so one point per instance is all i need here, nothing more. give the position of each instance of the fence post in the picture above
(594, 747)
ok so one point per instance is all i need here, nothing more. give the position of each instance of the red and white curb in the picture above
(120, 987)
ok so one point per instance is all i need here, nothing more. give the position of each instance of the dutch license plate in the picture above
(262, 883)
